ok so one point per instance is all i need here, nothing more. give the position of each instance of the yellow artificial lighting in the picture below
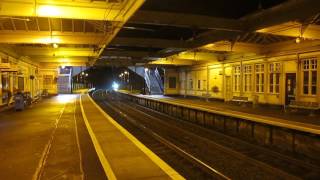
(48, 11)
(298, 40)
(55, 45)
(65, 98)
(211, 45)
(64, 60)
(48, 40)
(63, 66)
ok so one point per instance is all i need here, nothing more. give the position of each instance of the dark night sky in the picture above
(103, 77)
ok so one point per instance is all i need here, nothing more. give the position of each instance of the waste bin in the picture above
(19, 102)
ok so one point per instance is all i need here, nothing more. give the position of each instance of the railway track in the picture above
(198, 153)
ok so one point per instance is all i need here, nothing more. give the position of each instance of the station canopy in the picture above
(166, 32)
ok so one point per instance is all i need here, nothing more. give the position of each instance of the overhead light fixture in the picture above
(211, 45)
(16, 18)
(55, 45)
(48, 11)
(298, 40)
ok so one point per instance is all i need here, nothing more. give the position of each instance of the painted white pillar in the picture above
(0, 87)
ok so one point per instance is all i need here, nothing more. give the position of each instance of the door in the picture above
(290, 87)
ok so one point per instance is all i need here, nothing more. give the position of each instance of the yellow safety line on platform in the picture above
(163, 165)
(105, 164)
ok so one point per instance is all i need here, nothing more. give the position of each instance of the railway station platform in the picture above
(271, 115)
(62, 137)
(121, 154)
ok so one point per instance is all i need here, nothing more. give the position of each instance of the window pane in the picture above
(305, 90)
(314, 77)
(277, 89)
(277, 78)
(306, 64)
(314, 90)
(306, 78)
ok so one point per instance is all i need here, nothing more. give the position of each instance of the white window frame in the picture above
(309, 66)
(259, 75)
(274, 78)
(236, 78)
(247, 78)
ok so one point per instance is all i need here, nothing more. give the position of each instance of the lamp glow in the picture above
(65, 98)
(48, 11)
(115, 86)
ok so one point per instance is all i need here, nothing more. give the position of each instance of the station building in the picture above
(276, 74)
(229, 55)
(44, 43)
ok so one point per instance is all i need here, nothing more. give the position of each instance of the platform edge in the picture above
(104, 162)
(157, 160)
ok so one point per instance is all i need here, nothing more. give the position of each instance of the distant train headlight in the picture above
(115, 86)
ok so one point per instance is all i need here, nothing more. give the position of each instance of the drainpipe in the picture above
(208, 75)
(185, 82)
(298, 77)
(241, 78)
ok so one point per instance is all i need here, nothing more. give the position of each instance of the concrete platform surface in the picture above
(43, 142)
(272, 116)
(122, 156)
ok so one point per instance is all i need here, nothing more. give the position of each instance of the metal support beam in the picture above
(35, 37)
(149, 42)
(94, 10)
(186, 20)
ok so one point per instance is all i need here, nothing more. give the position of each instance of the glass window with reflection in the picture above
(309, 76)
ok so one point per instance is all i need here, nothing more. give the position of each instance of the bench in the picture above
(240, 99)
(205, 96)
(311, 106)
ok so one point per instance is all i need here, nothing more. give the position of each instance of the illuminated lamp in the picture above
(48, 11)
(115, 86)
(298, 40)
(55, 45)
